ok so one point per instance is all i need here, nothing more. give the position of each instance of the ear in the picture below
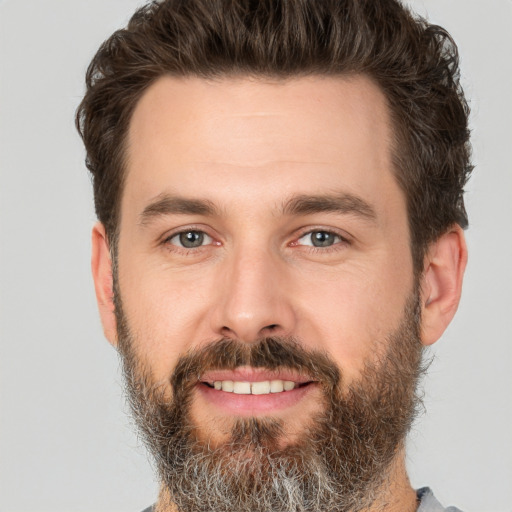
(441, 284)
(101, 264)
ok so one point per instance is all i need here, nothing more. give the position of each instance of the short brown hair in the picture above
(414, 63)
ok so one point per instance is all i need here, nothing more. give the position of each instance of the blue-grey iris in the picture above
(191, 239)
(322, 238)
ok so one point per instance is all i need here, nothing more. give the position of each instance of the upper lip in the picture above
(248, 374)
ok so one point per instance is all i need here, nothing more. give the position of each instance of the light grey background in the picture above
(66, 443)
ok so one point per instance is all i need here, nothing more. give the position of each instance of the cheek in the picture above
(350, 313)
(163, 313)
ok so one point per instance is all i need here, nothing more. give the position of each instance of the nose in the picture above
(253, 298)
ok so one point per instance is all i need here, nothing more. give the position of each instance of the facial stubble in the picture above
(339, 462)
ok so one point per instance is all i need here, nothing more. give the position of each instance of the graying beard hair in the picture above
(339, 464)
(286, 489)
(245, 475)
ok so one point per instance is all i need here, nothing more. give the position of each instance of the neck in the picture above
(395, 494)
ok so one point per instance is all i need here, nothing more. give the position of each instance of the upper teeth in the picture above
(254, 388)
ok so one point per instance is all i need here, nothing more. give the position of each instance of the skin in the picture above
(249, 148)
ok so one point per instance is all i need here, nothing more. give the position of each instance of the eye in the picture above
(320, 238)
(190, 239)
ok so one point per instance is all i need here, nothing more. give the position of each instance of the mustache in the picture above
(271, 353)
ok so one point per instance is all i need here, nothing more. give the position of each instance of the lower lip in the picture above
(249, 405)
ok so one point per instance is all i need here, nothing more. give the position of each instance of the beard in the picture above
(339, 462)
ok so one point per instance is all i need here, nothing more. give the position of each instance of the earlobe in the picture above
(441, 287)
(101, 264)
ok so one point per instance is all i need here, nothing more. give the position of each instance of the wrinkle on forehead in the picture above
(203, 105)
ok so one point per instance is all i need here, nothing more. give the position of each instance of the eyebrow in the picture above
(344, 203)
(341, 203)
(166, 204)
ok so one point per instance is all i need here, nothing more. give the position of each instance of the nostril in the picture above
(228, 332)
(249, 335)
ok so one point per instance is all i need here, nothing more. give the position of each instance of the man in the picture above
(279, 187)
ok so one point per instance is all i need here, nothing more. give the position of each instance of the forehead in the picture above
(252, 135)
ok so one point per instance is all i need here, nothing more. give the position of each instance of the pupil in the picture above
(191, 239)
(322, 239)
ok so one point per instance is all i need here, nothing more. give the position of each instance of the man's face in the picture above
(253, 210)
(295, 225)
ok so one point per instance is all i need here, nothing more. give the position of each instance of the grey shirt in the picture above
(428, 503)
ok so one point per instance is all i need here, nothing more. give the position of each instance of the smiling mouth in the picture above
(264, 387)
(247, 391)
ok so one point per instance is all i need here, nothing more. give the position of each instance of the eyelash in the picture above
(166, 242)
(343, 241)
